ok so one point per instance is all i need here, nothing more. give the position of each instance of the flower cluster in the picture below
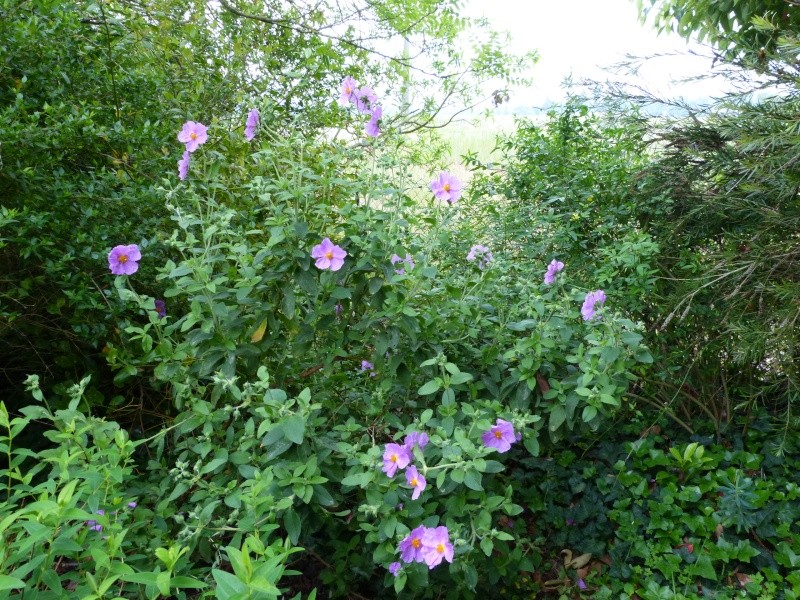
(446, 187)
(397, 457)
(251, 125)
(482, 255)
(408, 261)
(95, 526)
(590, 304)
(556, 266)
(192, 134)
(368, 367)
(366, 102)
(429, 545)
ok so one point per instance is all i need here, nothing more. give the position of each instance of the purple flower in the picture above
(394, 568)
(500, 436)
(436, 546)
(183, 165)
(482, 254)
(94, 525)
(328, 255)
(590, 304)
(193, 134)
(553, 268)
(348, 90)
(251, 125)
(407, 261)
(132, 505)
(338, 308)
(446, 187)
(416, 481)
(372, 129)
(581, 584)
(160, 308)
(368, 366)
(122, 260)
(411, 546)
(395, 457)
(364, 98)
(416, 438)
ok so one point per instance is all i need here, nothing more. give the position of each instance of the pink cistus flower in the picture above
(446, 187)
(328, 255)
(395, 457)
(193, 134)
(500, 436)
(373, 129)
(482, 255)
(364, 99)
(123, 260)
(436, 546)
(348, 89)
(183, 165)
(251, 125)
(589, 308)
(394, 568)
(417, 482)
(554, 267)
(408, 261)
(411, 546)
(416, 438)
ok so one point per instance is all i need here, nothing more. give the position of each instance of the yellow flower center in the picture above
(394, 457)
(415, 482)
(123, 258)
(498, 434)
(446, 187)
(329, 254)
(193, 135)
(440, 548)
(416, 543)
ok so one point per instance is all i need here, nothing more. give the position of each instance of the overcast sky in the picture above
(579, 37)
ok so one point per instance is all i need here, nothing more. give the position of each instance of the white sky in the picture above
(579, 36)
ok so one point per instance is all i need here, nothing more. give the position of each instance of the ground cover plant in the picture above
(296, 356)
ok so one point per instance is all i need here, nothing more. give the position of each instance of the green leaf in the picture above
(187, 582)
(704, 568)
(10, 583)
(487, 545)
(460, 378)
(425, 416)
(557, 417)
(291, 521)
(472, 480)
(228, 585)
(400, 583)
(430, 388)
(294, 428)
(358, 479)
